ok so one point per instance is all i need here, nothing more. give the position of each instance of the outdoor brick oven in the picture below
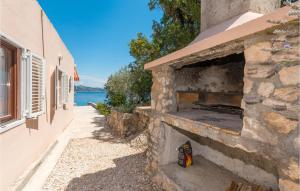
(234, 93)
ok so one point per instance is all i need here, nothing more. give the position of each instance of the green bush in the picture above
(117, 87)
(103, 108)
(116, 99)
(126, 108)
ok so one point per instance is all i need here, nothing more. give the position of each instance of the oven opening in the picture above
(212, 91)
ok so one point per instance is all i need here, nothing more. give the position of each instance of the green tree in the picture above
(179, 25)
(117, 87)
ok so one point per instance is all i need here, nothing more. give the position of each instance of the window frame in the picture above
(61, 87)
(14, 92)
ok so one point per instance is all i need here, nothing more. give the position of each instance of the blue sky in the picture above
(97, 32)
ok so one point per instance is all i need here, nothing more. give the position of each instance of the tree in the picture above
(179, 25)
(117, 87)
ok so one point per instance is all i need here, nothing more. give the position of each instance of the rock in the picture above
(290, 75)
(293, 170)
(243, 104)
(289, 94)
(296, 143)
(259, 71)
(266, 89)
(275, 104)
(252, 99)
(287, 185)
(284, 57)
(279, 123)
(248, 85)
(253, 129)
(256, 55)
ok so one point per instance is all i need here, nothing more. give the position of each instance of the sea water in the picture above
(82, 98)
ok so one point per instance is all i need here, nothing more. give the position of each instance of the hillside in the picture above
(81, 88)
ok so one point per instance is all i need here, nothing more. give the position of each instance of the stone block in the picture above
(259, 71)
(256, 55)
(279, 123)
(248, 85)
(266, 89)
(252, 99)
(287, 185)
(290, 75)
(293, 169)
(275, 104)
(296, 143)
(288, 94)
(254, 130)
(286, 57)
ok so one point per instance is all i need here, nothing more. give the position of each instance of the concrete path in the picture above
(86, 121)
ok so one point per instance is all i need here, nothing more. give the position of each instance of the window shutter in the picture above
(65, 88)
(36, 86)
(56, 87)
(70, 84)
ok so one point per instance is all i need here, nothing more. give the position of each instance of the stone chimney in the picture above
(214, 12)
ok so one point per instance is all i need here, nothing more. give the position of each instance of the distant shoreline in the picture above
(90, 91)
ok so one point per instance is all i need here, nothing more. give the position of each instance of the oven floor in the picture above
(221, 120)
(202, 175)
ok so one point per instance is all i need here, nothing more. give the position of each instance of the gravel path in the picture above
(101, 162)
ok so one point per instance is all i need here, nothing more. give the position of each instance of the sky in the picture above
(98, 32)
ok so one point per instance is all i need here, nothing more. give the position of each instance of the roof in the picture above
(76, 76)
(236, 28)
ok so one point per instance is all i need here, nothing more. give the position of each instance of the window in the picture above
(22, 84)
(62, 88)
(9, 63)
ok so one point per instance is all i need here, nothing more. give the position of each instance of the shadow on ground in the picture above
(106, 134)
(128, 174)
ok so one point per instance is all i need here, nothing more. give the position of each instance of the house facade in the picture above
(36, 87)
(233, 93)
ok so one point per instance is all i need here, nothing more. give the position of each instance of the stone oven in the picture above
(234, 94)
(211, 91)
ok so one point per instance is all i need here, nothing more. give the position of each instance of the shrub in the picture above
(126, 108)
(103, 108)
(117, 87)
(116, 99)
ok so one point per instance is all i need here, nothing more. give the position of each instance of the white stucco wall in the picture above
(22, 145)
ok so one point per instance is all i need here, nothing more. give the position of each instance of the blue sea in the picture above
(82, 98)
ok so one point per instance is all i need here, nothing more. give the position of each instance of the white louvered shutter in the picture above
(65, 88)
(36, 86)
(56, 87)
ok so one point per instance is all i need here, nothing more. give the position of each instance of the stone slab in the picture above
(202, 175)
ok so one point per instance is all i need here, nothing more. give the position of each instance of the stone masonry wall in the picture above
(271, 100)
(228, 77)
(163, 100)
(271, 103)
(126, 124)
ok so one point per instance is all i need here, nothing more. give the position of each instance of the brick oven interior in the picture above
(211, 92)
